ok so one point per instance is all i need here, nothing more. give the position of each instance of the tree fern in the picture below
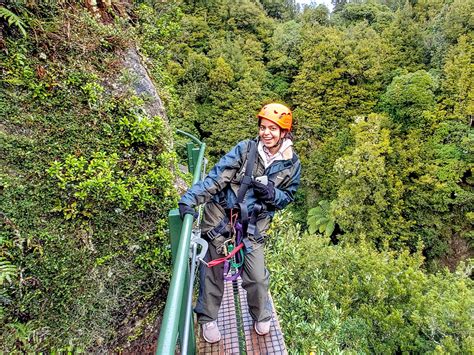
(13, 19)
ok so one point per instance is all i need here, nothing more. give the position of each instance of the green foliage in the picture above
(280, 9)
(221, 75)
(93, 92)
(141, 130)
(458, 84)
(390, 183)
(373, 13)
(79, 279)
(7, 271)
(13, 19)
(362, 196)
(409, 96)
(125, 183)
(320, 219)
(358, 300)
(406, 36)
(454, 20)
(318, 15)
(245, 15)
(285, 54)
(20, 72)
(441, 194)
(340, 77)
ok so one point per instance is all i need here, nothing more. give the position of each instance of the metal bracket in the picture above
(196, 239)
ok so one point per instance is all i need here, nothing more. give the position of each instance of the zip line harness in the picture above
(241, 226)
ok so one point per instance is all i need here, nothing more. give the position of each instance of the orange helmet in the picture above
(277, 113)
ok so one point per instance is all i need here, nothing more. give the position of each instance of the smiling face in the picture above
(270, 134)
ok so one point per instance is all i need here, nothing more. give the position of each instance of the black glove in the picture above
(185, 209)
(265, 193)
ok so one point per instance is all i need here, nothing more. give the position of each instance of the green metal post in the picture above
(175, 223)
(171, 318)
(191, 160)
(174, 302)
(195, 155)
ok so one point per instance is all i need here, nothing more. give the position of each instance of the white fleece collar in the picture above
(284, 153)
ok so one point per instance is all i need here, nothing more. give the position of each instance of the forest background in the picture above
(380, 233)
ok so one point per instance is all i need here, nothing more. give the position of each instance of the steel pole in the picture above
(169, 326)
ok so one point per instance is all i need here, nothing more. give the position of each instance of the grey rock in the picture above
(134, 77)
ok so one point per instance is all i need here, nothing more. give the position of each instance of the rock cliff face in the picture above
(142, 84)
(134, 79)
(139, 79)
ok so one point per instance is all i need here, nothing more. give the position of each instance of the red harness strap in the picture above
(221, 260)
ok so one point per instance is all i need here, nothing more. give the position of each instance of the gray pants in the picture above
(255, 280)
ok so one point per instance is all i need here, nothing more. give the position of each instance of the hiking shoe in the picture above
(262, 328)
(210, 332)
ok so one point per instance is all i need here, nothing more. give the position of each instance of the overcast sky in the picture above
(325, 2)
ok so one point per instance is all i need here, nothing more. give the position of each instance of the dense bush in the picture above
(402, 180)
(86, 184)
(356, 299)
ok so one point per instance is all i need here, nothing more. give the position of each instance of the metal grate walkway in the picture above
(231, 323)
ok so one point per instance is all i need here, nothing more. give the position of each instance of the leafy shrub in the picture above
(319, 218)
(409, 96)
(7, 271)
(88, 276)
(357, 299)
(136, 178)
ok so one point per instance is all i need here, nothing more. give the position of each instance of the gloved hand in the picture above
(265, 193)
(185, 209)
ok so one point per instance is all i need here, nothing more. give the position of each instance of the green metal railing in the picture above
(177, 317)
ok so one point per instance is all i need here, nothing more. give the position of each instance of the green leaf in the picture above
(330, 228)
(7, 271)
(13, 19)
(322, 221)
(322, 227)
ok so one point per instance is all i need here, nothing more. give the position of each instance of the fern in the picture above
(7, 271)
(320, 219)
(13, 19)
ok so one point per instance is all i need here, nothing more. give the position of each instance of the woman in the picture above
(275, 179)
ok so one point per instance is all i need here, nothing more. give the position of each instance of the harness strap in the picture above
(233, 276)
(244, 186)
(221, 260)
(244, 218)
(219, 229)
(246, 182)
(247, 179)
(252, 224)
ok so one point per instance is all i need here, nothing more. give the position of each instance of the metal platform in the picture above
(234, 318)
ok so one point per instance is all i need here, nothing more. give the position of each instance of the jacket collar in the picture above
(284, 153)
